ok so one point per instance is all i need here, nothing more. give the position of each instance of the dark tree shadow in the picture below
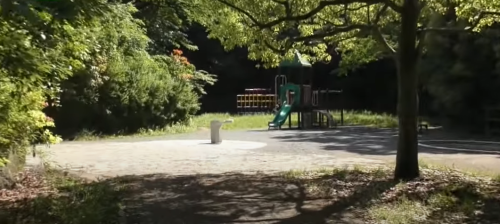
(244, 198)
(376, 141)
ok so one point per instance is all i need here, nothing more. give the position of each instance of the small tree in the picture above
(364, 30)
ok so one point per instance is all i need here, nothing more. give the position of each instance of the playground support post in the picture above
(342, 116)
(290, 120)
(315, 98)
(279, 80)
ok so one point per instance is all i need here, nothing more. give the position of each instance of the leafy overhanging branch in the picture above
(273, 48)
(333, 30)
(372, 26)
(289, 17)
(378, 36)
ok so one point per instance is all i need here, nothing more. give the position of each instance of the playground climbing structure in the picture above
(293, 98)
(311, 107)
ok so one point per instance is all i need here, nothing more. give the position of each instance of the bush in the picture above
(139, 92)
(123, 88)
(22, 121)
(23, 73)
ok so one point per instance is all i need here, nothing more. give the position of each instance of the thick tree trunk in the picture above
(407, 58)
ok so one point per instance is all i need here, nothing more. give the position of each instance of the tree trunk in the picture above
(407, 58)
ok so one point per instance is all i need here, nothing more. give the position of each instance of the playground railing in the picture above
(252, 103)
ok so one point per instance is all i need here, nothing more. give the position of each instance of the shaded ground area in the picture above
(376, 141)
(47, 196)
(240, 198)
(335, 195)
(477, 155)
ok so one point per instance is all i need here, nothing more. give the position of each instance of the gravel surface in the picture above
(249, 151)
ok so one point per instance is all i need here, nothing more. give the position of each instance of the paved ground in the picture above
(261, 150)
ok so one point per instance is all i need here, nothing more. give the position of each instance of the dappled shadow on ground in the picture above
(324, 196)
(441, 196)
(245, 198)
(373, 141)
(328, 196)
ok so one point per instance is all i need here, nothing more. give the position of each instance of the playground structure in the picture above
(292, 98)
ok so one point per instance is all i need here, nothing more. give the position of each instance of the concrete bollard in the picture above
(215, 127)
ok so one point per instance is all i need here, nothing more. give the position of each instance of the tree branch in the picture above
(286, 4)
(421, 35)
(322, 4)
(377, 34)
(393, 6)
(420, 44)
(331, 32)
(276, 50)
(379, 14)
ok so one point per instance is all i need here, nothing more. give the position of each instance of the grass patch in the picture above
(55, 197)
(402, 211)
(247, 122)
(469, 171)
(368, 118)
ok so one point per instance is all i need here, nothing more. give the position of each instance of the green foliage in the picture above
(165, 22)
(124, 88)
(25, 70)
(362, 30)
(22, 115)
(88, 60)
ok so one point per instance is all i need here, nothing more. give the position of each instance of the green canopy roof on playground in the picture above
(297, 61)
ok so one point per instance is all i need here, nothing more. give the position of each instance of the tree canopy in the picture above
(363, 30)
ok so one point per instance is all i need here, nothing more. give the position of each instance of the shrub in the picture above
(22, 121)
(25, 69)
(123, 88)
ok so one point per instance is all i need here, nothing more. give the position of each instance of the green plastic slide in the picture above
(281, 116)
